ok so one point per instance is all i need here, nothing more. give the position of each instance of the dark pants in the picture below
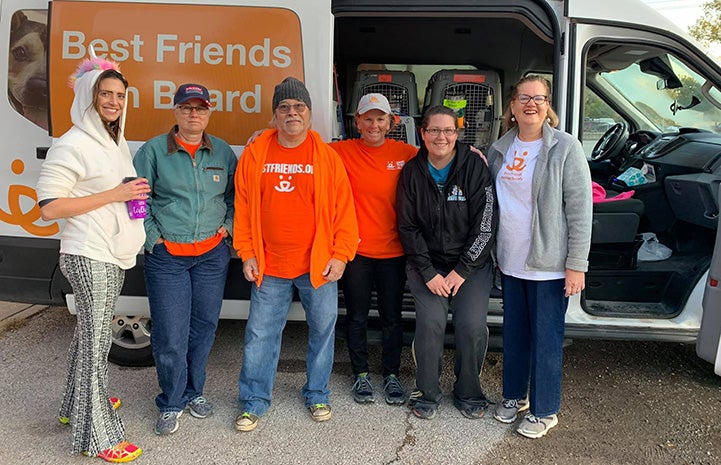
(389, 278)
(469, 308)
(533, 331)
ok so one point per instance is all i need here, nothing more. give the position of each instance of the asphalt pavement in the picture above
(33, 358)
(623, 402)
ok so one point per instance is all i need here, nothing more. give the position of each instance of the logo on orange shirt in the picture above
(283, 185)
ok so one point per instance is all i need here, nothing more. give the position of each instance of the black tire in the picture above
(131, 357)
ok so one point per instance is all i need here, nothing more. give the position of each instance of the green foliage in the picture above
(707, 28)
(594, 107)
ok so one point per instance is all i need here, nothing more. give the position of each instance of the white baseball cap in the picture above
(373, 102)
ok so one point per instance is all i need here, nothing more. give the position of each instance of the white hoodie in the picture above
(85, 161)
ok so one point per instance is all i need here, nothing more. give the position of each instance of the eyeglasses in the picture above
(108, 94)
(538, 99)
(284, 108)
(435, 132)
(188, 109)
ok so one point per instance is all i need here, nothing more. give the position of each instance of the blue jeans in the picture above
(533, 330)
(185, 295)
(269, 306)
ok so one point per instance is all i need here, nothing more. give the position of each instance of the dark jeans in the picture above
(389, 278)
(470, 309)
(533, 330)
(185, 295)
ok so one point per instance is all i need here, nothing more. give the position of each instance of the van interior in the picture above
(646, 110)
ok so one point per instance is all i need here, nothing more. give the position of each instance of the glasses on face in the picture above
(538, 99)
(284, 108)
(435, 132)
(108, 94)
(188, 109)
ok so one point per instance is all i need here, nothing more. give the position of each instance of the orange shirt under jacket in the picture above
(336, 227)
(373, 174)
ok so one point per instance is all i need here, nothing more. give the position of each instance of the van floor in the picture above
(651, 290)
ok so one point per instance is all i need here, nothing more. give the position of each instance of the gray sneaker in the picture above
(507, 410)
(535, 427)
(395, 393)
(167, 423)
(200, 407)
(363, 389)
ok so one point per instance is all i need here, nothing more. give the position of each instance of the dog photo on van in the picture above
(27, 65)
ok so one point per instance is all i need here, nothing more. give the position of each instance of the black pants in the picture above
(388, 277)
(469, 308)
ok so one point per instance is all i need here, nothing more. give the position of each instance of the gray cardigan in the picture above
(562, 201)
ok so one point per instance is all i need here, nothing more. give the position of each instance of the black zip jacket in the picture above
(450, 230)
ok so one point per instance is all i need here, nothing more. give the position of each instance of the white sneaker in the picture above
(535, 427)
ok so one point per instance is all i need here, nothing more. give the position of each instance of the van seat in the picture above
(616, 221)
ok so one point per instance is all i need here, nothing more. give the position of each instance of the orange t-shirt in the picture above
(373, 174)
(287, 209)
(194, 249)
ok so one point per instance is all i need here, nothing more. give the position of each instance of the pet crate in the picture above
(475, 96)
(399, 87)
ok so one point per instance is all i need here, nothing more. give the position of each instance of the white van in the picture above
(617, 62)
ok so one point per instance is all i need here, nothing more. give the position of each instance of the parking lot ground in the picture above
(623, 403)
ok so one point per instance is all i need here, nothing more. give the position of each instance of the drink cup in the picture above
(137, 208)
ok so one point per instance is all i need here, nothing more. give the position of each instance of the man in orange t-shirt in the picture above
(295, 227)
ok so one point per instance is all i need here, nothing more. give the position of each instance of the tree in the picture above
(707, 29)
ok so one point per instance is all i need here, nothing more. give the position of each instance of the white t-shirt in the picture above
(514, 190)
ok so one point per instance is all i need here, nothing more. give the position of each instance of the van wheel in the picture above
(131, 342)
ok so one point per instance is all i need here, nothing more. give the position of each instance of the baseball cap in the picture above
(374, 102)
(190, 91)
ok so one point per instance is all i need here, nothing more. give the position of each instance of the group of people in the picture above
(302, 214)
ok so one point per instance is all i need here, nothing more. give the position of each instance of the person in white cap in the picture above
(374, 164)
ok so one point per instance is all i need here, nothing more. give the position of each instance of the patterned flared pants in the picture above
(96, 285)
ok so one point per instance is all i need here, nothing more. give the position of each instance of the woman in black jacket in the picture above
(447, 220)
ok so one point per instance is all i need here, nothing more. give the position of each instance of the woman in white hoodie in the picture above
(81, 181)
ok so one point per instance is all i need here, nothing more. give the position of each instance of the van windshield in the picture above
(669, 94)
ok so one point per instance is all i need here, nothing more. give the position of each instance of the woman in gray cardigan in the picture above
(543, 186)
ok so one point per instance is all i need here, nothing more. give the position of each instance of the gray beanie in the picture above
(290, 88)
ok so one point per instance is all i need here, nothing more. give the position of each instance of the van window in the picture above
(598, 117)
(652, 87)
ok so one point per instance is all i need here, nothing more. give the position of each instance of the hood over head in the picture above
(82, 113)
